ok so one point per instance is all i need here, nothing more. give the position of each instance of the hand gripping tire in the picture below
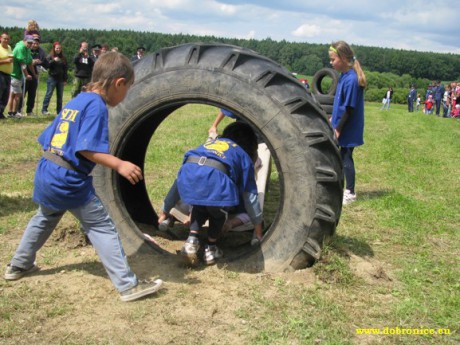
(263, 93)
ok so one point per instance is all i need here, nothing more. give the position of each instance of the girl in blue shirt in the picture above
(348, 110)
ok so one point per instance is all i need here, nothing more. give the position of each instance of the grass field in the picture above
(392, 268)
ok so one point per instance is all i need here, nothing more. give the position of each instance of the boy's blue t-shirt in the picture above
(208, 186)
(349, 94)
(81, 126)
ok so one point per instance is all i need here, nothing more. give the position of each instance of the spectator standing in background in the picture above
(453, 95)
(105, 48)
(96, 52)
(22, 58)
(419, 100)
(388, 97)
(6, 68)
(411, 97)
(57, 77)
(438, 95)
(139, 54)
(446, 102)
(429, 91)
(38, 61)
(83, 69)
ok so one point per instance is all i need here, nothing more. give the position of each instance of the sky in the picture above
(402, 24)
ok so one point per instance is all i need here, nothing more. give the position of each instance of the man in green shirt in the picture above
(22, 58)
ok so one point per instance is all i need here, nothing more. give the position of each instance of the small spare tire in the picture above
(318, 78)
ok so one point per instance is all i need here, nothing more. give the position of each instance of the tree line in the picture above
(304, 58)
(383, 66)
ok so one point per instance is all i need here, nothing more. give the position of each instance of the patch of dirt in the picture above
(372, 271)
(72, 301)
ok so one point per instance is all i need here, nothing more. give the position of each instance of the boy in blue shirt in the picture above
(212, 179)
(73, 144)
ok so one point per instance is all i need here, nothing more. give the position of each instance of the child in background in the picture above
(73, 144)
(32, 28)
(417, 104)
(348, 110)
(213, 179)
(429, 105)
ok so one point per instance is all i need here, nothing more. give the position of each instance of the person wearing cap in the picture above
(22, 58)
(83, 69)
(411, 97)
(139, 54)
(96, 49)
(6, 67)
(38, 61)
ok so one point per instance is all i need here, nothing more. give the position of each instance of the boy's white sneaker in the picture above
(210, 255)
(348, 197)
(14, 273)
(143, 288)
(190, 250)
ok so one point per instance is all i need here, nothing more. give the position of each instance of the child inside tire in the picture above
(213, 179)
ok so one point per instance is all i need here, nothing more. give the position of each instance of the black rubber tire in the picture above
(263, 93)
(326, 102)
(324, 99)
(318, 78)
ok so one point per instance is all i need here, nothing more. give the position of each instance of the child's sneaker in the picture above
(348, 197)
(143, 288)
(210, 255)
(164, 225)
(190, 250)
(14, 273)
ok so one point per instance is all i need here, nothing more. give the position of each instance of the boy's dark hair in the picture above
(243, 135)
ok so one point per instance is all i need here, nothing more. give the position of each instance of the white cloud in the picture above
(307, 31)
(251, 34)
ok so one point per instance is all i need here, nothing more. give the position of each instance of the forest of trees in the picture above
(383, 66)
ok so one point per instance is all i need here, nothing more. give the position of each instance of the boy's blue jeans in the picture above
(100, 230)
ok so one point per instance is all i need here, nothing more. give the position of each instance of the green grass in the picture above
(394, 261)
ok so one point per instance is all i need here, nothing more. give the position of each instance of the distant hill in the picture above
(304, 58)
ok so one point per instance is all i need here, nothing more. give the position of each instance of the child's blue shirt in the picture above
(207, 186)
(81, 126)
(349, 94)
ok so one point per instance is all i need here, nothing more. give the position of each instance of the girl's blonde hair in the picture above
(108, 67)
(32, 25)
(344, 51)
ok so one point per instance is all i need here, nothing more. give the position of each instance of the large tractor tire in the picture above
(265, 95)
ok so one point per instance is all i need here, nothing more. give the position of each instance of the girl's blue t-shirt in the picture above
(349, 94)
(81, 126)
(208, 186)
(228, 113)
